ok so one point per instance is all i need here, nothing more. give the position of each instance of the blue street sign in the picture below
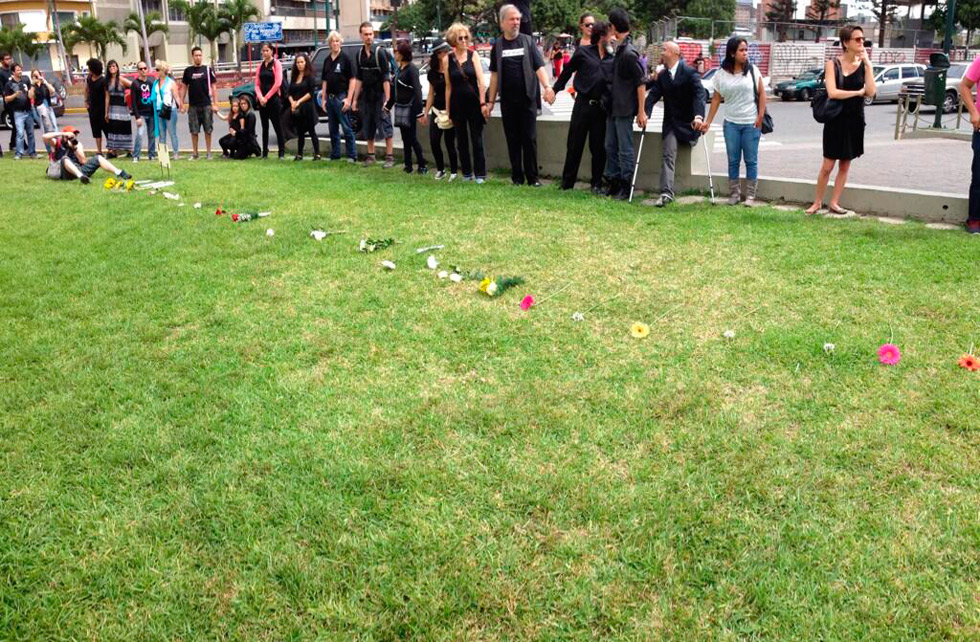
(263, 31)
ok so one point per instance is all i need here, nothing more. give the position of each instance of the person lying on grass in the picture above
(68, 160)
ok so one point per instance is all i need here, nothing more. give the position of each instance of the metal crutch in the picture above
(636, 165)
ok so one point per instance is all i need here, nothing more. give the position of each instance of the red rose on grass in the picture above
(218, 212)
(969, 362)
(234, 217)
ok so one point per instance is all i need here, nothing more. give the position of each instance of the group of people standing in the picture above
(28, 100)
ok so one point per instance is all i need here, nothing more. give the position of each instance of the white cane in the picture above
(636, 165)
(707, 162)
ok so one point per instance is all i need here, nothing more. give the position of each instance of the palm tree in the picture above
(101, 35)
(205, 21)
(20, 42)
(238, 13)
(154, 24)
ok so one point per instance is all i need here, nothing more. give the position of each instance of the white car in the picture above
(424, 76)
(890, 78)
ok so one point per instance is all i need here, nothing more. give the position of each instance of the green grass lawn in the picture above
(210, 434)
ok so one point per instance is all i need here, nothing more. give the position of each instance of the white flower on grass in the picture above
(270, 232)
(578, 316)
(363, 246)
(443, 274)
(318, 234)
(456, 277)
(492, 288)
(829, 347)
(197, 206)
(388, 265)
(728, 334)
(432, 262)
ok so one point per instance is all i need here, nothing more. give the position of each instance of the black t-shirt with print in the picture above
(511, 77)
(19, 87)
(196, 80)
(141, 97)
(337, 73)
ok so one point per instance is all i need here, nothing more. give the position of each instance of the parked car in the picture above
(889, 80)
(424, 75)
(801, 87)
(707, 84)
(60, 93)
(953, 77)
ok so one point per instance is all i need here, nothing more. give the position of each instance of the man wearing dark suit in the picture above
(684, 97)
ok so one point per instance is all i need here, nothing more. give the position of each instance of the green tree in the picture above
(238, 12)
(20, 42)
(154, 24)
(97, 34)
(721, 11)
(782, 12)
(968, 15)
(884, 13)
(205, 22)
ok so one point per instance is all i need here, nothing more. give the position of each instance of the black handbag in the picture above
(402, 115)
(825, 108)
(766, 118)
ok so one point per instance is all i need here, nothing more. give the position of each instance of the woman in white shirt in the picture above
(738, 82)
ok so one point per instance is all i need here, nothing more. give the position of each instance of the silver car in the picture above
(890, 78)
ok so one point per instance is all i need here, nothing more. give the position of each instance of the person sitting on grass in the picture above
(68, 160)
(241, 141)
(231, 118)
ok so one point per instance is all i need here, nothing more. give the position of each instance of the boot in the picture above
(750, 187)
(623, 193)
(735, 195)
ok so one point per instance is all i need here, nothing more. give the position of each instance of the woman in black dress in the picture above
(843, 137)
(302, 108)
(95, 100)
(268, 80)
(435, 112)
(118, 123)
(465, 98)
(242, 129)
(407, 99)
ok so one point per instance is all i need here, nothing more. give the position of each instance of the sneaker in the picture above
(210, 157)
(664, 200)
(439, 175)
(467, 178)
(452, 177)
(480, 180)
(389, 162)
(408, 170)
(298, 157)
(123, 174)
(136, 159)
(317, 157)
(370, 160)
(176, 156)
(423, 170)
(351, 160)
(193, 157)
(33, 156)
(973, 227)
(536, 184)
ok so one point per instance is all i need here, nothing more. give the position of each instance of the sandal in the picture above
(837, 209)
(812, 210)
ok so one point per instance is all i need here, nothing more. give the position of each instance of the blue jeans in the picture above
(170, 126)
(619, 148)
(742, 141)
(151, 140)
(24, 124)
(337, 119)
(45, 117)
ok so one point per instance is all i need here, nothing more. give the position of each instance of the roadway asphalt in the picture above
(793, 150)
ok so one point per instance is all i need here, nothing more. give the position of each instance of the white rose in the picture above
(197, 206)
(729, 334)
(363, 246)
(432, 262)
(443, 274)
(318, 234)
(456, 277)
(578, 316)
(829, 347)
(388, 265)
(492, 288)
(270, 232)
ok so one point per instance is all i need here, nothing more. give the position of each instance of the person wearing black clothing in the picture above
(515, 65)
(302, 108)
(684, 98)
(241, 142)
(197, 95)
(5, 63)
(407, 101)
(592, 66)
(95, 99)
(141, 105)
(464, 94)
(336, 91)
(68, 160)
(440, 125)
(268, 81)
(18, 96)
(371, 92)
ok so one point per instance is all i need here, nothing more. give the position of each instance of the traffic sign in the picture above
(263, 31)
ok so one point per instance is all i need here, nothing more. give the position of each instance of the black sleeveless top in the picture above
(463, 79)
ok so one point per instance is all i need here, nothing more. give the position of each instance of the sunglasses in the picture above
(463, 38)
(589, 25)
(141, 68)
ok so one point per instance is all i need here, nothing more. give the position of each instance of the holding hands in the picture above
(549, 95)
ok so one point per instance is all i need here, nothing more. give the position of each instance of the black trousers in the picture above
(435, 142)
(469, 131)
(304, 122)
(410, 143)
(588, 120)
(974, 202)
(272, 111)
(520, 122)
(238, 147)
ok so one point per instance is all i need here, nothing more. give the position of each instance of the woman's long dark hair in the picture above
(307, 69)
(110, 77)
(731, 48)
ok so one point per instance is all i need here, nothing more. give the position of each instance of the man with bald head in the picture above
(684, 97)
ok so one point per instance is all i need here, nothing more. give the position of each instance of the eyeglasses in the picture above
(589, 25)
(141, 69)
(463, 38)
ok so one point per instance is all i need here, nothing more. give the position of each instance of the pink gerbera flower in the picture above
(889, 354)
(527, 302)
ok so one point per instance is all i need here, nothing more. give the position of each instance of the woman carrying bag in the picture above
(849, 80)
(440, 126)
(465, 98)
(407, 103)
(166, 106)
(301, 105)
(745, 111)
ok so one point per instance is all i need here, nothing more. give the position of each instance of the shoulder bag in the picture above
(825, 108)
(766, 118)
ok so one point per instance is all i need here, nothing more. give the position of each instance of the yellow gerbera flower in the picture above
(110, 183)
(483, 285)
(639, 330)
